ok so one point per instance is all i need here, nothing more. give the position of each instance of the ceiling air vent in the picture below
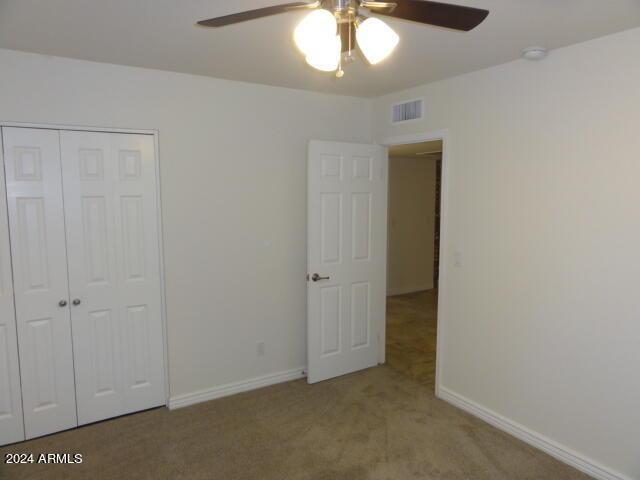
(407, 111)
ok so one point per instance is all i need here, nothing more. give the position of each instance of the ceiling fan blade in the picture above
(457, 17)
(257, 13)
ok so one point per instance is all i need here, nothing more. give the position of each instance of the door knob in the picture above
(76, 302)
(62, 303)
(315, 277)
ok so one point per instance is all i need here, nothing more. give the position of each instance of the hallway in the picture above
(411, 335)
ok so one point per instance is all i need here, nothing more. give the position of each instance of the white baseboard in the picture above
(535, 439)
(187, 399)
(391, 291)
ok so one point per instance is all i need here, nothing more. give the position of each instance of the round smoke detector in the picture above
(534, 53)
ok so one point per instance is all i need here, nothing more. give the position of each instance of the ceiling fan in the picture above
(328, 35)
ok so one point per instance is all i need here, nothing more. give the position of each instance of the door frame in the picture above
(155, 133)
(445, 137)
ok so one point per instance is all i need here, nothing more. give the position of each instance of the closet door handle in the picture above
(76, 302)
(62, 303)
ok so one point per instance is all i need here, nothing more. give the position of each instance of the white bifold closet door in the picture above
(114, 272)
(11, 424)
(83, 221)
(38, 249)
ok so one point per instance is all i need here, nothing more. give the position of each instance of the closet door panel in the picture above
(88, 174)
(11, 421)
(36, 219)
(140, 289)
(113, 272)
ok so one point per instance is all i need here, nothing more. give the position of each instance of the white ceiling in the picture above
(160, 34)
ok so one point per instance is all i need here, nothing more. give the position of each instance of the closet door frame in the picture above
(13, 429)
(155, 135)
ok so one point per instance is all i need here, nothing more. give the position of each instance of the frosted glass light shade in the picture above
(318, 27)
(376, 39)
(326, 55)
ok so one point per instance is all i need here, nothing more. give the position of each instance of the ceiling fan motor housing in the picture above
(344, 10)
(343, 5)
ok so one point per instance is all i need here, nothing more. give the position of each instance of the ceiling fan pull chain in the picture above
(340, 72)
(350, 39)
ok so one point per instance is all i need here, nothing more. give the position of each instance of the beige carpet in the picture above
(377, 424)
(411, 335)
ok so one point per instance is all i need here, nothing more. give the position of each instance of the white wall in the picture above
(541, 324)
(412, 194)
(233, 162)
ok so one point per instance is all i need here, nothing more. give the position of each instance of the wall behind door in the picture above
(412, 194)
(233, 160)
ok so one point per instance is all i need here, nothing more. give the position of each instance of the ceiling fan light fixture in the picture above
(315, 35)
(376, 40)
(316, 29)
(325, 56)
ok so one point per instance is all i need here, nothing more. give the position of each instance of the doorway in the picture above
(347, 238)
(413, 258)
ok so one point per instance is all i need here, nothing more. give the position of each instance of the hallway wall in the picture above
(412, 192)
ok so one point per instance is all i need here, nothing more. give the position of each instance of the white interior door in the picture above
(347, 249)
(114, 272)
(11, 422)
(36, 219)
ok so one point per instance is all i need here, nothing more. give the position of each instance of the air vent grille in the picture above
(404, 112)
